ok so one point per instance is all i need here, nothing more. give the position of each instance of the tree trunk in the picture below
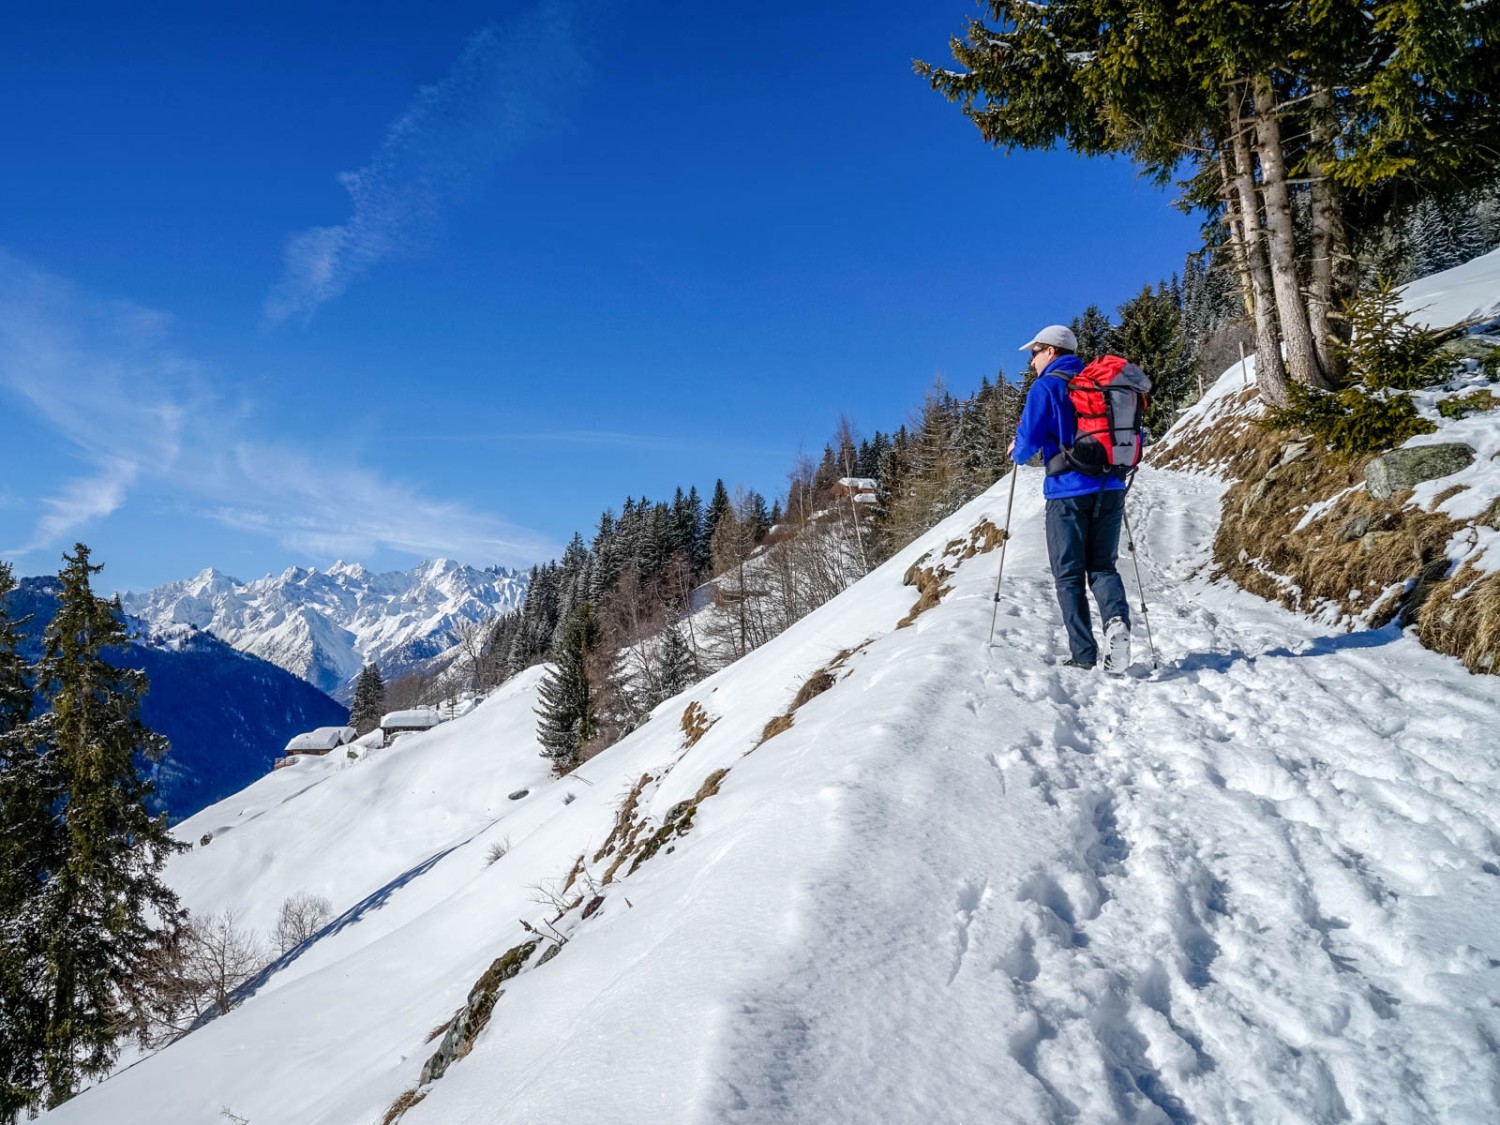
(1270, 372)
(1291, 308)
(1327, 224)
(1236, 236)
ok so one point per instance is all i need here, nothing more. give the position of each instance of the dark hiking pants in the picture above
(1083, 538)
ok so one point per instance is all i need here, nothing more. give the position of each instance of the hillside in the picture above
(959, 883)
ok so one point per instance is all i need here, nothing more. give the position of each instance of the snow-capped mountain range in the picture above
(324, 625)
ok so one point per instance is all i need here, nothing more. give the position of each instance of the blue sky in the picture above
(288, 283)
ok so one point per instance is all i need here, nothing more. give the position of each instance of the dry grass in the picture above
(1228, 432)
(573, 873)
(779, 725)
(695, 723)
(625, 825)
(401, 1105)
(1341, 561)
(710, 786)
(930, 581)
(816, 684)
(1461, 616)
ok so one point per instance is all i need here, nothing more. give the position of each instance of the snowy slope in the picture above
(1466, 294)
(967, 884)
(326, 625)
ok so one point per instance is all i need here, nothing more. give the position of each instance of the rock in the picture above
(519, 793)
(1356, 528)
(1401, 469)
(1291, 451)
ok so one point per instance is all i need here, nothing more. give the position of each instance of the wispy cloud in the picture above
(103, 376)
(504, 89)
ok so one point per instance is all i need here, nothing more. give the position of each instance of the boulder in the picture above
(1401, 469)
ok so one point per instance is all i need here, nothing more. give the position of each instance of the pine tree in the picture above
(103, 911)
(1150, 333)
(718, 505)
(566, 695)
(678, 668)
(28, 855)
(1093, 331)
(368, 705)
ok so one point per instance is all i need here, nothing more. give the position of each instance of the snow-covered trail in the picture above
(1255, 888)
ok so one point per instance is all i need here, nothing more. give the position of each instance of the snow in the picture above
(320, 740)
(968, 884)
(419, 718)
(1466, 293)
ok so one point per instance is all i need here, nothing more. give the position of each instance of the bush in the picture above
(1468, 404)
(1351, 420)
(1387, 355)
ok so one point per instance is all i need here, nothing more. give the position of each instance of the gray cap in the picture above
(1054, 335)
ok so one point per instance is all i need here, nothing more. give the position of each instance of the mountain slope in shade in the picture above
(326, 625)
(226, 713)
(959, 882)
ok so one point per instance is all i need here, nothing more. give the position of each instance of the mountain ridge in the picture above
(325, 625)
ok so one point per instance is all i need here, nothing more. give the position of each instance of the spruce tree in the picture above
(719, 505)
(367, 707)
(678, 668)
(1150, 333)
(28, 856)
(104, 912)
(566, 713)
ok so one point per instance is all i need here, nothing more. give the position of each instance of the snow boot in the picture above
(1116, 646)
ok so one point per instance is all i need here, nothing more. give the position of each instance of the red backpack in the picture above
(1109, 401)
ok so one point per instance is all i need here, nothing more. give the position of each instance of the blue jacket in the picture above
(1047, 425)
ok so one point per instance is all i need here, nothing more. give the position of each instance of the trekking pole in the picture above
(1000, 572)
(1139, 585)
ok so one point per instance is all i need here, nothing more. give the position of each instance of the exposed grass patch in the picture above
(695, 723)
(779, 725)
(1461, 616)
(814, 686)
(625, 819)
(679, 819)
(401, 1105)
(930, 581)
(1339, 562)
(573, 873)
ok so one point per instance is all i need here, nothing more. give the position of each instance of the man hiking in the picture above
(1083, 511)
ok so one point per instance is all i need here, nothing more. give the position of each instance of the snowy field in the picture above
(967, 885)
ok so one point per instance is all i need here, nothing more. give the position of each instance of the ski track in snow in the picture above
(1234, 892)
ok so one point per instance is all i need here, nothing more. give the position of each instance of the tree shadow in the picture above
(1330, 645)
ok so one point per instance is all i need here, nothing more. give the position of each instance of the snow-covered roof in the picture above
(321, 740)
(858, 484)
(419, 718)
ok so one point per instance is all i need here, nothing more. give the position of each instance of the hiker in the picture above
(1083, 511)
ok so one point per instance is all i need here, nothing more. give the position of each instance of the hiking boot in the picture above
(1116, 645)
(1086, 665)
